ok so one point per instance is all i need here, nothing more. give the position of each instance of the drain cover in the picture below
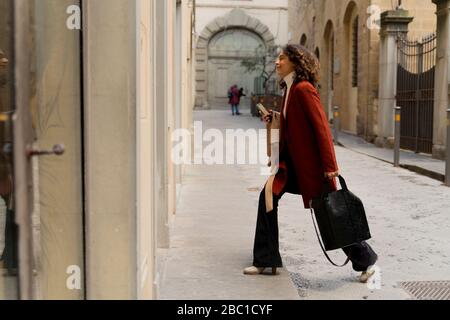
(428, 290)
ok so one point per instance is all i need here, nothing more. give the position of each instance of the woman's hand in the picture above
(331, 175)
(268, 118)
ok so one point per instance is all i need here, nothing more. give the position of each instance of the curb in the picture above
(419, 170)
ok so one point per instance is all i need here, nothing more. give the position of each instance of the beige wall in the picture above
(150, 91)
(146, 235)
(272, 13)
(171, 102)
(184, 76)
(130, 187)
(187, 66)
(424, 15)
(161, 125)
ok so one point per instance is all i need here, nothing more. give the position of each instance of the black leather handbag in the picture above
(341, 218)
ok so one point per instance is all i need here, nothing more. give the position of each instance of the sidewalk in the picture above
(212, 233)
(419, 163)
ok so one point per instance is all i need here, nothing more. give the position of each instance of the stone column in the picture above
(393, 24)
(162, 124)
(110, 148)
(442, 78)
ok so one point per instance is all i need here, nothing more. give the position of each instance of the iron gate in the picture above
(415, 92)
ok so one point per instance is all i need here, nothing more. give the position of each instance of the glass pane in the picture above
(8, 228)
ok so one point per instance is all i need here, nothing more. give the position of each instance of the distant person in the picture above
(241, 94)
(234, 101)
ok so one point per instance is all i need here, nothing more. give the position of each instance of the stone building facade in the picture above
(113, 95)
(228, 32)
(345, 35)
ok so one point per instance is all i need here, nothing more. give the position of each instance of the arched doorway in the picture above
(303, 40)
(226, 51)
(234, 24)
(349, 109)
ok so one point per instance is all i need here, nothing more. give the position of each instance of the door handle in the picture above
(57, 150)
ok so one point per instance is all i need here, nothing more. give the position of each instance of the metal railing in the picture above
(415, 92)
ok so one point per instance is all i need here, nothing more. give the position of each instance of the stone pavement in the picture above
(212, 233)
(417, 162)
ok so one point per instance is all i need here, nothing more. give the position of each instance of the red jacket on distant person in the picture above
(306, 145)
(236, 97)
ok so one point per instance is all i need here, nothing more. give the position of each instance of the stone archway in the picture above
(235, 19)
(226, 51)
(350, 63)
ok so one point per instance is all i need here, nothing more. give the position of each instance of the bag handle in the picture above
(326, 189)
(320, 240)
(343, 183)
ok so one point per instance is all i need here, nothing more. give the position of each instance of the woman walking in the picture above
(307, 158)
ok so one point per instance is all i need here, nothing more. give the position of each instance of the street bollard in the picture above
(447, 158)
(398, 111)
(336, 124)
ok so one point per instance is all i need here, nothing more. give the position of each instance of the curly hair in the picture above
(307, 66)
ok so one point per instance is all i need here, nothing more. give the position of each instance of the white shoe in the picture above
(366, 275)
(253, 271)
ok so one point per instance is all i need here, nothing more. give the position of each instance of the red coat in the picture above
(235, 98)
(306, 145)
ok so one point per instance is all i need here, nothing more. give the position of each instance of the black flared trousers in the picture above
(266, 251)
